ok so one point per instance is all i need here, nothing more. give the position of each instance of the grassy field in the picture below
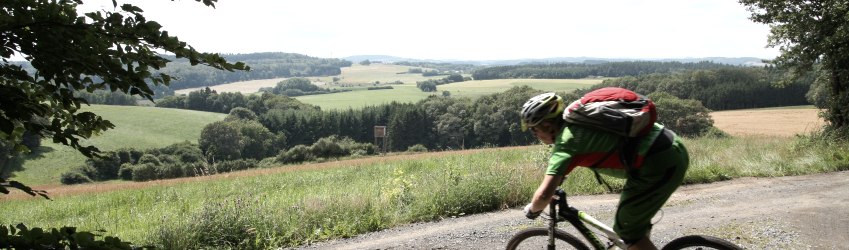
(275, 207)
(147, 127)
(358, 77)
(410, 93)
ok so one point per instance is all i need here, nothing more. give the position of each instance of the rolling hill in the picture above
(135, 127)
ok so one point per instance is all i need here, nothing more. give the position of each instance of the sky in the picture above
(464, 29)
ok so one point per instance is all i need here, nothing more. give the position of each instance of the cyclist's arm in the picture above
(545, 192)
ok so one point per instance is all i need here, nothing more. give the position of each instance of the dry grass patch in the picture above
(244, 87)
(770, 122)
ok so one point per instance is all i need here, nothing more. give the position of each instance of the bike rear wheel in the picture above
(537, 238)
(700, 242)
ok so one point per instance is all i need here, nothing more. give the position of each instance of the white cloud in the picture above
(457, 29)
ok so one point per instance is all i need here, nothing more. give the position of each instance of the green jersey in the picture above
(582, 146)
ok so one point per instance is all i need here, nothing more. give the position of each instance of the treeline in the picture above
(435, 122)
(722, 89)
(298, 87)
(106, 98)
(441, 67)
(440, 122)
(430, 85)
(209, 100)
(263, 66)
(584, 70)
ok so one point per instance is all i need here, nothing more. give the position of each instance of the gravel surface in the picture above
(798, 212)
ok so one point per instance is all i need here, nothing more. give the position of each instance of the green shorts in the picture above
(644, 194)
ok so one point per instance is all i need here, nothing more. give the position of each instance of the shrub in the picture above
(149, 159)
(417, 148)
(240, 113)
(327, 148)
(169, 171)
(293, 92)
(128, 155)
(185, 152)
(714, 132)
(298, 153)
(267, 162)
(74, 177)
(235, 165)
(361, 149)
(686, 117)
(105, 168)
(126, 172)
(167, 159)
(144, 172)
(194, 169)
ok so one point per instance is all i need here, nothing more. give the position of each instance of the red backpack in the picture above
(618, 111)
(615, 110)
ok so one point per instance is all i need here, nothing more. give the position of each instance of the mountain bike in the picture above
(553, 238)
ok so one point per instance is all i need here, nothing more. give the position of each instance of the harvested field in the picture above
(245, 87)
(769, 122)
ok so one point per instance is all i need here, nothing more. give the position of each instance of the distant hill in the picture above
(743, 61)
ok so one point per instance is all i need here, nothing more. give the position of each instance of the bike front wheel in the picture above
(700, 242)
(537, 238)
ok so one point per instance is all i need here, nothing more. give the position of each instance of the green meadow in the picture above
(135, 127)
(408, 92)
(358, 78)
(289, 208)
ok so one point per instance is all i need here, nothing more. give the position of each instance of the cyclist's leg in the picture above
(645, 194)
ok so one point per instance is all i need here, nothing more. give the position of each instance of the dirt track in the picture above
(799, 212)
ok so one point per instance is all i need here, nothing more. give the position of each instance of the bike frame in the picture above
(580, 220)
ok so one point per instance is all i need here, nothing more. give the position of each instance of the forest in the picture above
(263, 66)
(584, 70)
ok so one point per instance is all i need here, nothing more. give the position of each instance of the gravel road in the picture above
(798, 212)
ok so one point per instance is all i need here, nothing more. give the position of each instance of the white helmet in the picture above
(541, 107)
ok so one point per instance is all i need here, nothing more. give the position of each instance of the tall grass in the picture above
(294, 208)
(715, 159)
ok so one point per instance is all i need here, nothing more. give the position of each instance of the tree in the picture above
(686, 117)
(221, 141)
(301, 84)
(115, 50)
(810, 33)
(241, 113)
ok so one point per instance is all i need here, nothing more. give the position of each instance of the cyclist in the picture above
(659, 165)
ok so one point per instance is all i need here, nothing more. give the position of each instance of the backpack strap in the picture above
(628, 152)
(595, 165)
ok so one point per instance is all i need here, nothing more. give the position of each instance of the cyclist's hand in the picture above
(530, 214)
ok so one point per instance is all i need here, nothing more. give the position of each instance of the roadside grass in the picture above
(135, 127)
(714, 159)
(298, 207)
